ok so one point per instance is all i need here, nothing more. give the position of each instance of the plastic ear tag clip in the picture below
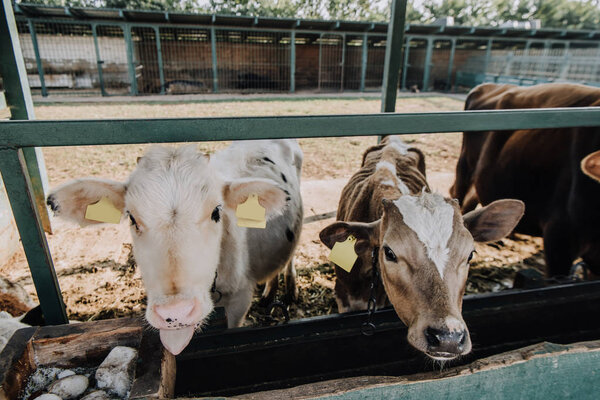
(343, 254)
(103, 211)
(250, 214)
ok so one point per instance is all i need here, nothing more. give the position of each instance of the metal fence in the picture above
(109, 58)
(116, 59)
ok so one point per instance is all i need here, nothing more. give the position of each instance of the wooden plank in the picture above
(131, 131)
(15, 365)
(542, 371)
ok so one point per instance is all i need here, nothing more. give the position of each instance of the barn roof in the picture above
(240, 21)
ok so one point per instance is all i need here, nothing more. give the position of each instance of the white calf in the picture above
(186, 241)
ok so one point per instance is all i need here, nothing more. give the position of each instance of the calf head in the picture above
(425, 246)
(179, 211)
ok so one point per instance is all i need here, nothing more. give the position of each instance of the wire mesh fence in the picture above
(186, 54)
(66, 54)
(253, 60)
(100, 57)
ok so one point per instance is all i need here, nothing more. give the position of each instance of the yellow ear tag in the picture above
(103, 211)
(250, 214)
(343, 254)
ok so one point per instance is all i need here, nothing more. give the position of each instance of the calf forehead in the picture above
(434, 221)
(171, 179)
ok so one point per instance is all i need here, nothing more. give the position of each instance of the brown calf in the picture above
(424, 245)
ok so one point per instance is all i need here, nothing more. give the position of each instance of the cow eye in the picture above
(216, 214)
(389, 254)
(470, 256)
(133, 221)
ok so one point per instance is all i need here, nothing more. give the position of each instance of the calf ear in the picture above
(494, 221)
(367, 235)
(273, 198)
(70, 201)
(590, 165)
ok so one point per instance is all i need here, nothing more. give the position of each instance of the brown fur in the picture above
(361, 201)
(539, 167)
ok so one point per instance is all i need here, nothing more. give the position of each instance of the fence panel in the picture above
(187, 60)
(375, 62)
(331, 62)
(145, 56)
(67, 57)
(112, 52)
(253, 60)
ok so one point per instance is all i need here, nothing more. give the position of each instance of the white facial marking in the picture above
(392, 169)
(431, 218)
(397, 144)
(388, 182)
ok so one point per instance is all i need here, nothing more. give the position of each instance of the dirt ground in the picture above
(97, 273)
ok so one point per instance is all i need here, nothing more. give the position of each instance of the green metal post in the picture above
(405, 65)
(38, 60)
(596, 78)
(293, 62)
(427, 66)
(99, 61)
(320, 61)
(161, 73)
(564, 69)
(488, 55)
(393, 55)
(213, 51)
(363, 64)
(19, 190)
(451, 65)
(18, 98)
(130, 62)
(509, 62)
(343, 63)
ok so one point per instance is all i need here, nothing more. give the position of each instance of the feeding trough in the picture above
(86, 345)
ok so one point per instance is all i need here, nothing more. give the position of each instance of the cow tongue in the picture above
(175, 340)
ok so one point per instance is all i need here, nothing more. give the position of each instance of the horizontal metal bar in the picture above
(131, 131)
(197, 26)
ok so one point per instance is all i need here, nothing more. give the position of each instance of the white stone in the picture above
(48, 396)
(96, 395)
(65, 373)
(69, 387)
(115, 372)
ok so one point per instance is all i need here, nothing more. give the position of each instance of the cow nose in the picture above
(176, 314)
(445, 341)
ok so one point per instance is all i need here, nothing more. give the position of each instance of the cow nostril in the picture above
(432, 336)
(463, 338)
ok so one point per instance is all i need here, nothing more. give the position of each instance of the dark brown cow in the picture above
(540, 167)
(424, 245)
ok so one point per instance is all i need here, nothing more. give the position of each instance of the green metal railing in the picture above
(19, 137)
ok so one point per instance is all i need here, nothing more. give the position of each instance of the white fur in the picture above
(388, 182)
(397, 144)
(431, 218)
(397, 181)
